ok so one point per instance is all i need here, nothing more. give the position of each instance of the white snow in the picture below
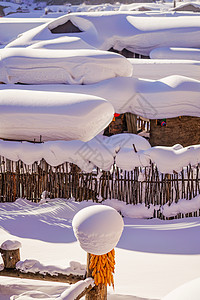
(157, 256)
(139, 34)
(10, 245)
(138, 210)
(52, 116)
(168, 97)
(12, 27)
(189, 290)
(176, 53)
(182, 206)
(160, 68)
(98, 228)
(40, 66)
(75, 290)
(34, 266)
(102, 151)
(169, 159)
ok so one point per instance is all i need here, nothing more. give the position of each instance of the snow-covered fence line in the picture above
(142, 185)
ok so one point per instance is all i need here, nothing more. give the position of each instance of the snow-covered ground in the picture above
(152, 257)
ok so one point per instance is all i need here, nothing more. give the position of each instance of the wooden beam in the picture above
(47, 277)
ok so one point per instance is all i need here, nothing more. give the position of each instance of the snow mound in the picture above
(10, 245)
(183, 206)
(30, 295)
(40, 66)
(175, 53)
(36, 115)
(98, 228)
(34, 266)
(187, 291)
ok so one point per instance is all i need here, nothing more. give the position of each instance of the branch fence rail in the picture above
(142, 185)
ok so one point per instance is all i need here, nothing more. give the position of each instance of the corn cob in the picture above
(103, 267)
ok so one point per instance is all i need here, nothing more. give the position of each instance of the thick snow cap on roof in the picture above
(121, 30)
(176, 53)
(12, 27)
(37, 115)
(168, 97)
(98, 228)
(37, 66)
(160, 68)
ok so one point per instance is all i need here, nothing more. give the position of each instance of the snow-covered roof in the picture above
(10, 28)
(148, 5)
(39, 66)
(190, 6)
(168, 97)
(176, 53)
(159, 68)
(36, 115)
(122, 30)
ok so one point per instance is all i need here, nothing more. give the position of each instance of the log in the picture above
(99, 292)
(37, 276)
(10, 258)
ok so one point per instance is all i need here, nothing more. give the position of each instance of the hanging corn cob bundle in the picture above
(102, 268)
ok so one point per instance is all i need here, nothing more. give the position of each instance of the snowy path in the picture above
(153, 256)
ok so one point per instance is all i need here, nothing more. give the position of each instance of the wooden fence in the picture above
(142, 185)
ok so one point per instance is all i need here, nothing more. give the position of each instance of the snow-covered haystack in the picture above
(98, 228)
(176, 53)
(83, 66)
(188, 291)
(36, 115)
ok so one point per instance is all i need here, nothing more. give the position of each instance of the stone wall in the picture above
(181, 130)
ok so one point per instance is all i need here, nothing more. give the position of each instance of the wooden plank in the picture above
(47, 277)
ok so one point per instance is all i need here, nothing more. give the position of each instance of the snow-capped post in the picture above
(10, 253)
(98, 229)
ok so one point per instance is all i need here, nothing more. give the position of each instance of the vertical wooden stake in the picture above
(10, 258)
(99, 292)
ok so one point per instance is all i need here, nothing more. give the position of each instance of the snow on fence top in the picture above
(168, 97)
(83, 66)
(120, 30)
(102, 152)
(175, 53)
(10, 245)
(41, 116)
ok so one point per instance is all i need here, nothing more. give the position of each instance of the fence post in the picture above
(99, 292)
(10, 256)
